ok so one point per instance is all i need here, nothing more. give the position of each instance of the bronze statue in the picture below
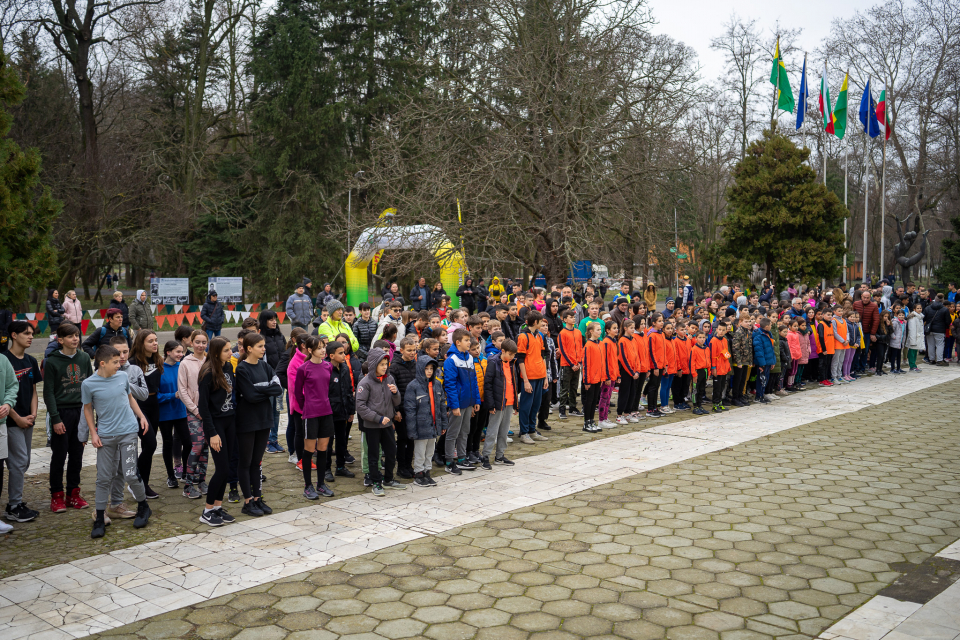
(906, 241)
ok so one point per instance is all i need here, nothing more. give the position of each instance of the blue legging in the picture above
(665, 383)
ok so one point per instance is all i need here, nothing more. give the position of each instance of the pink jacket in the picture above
(74, 312)
(804, 349)
(187, 378)
(295, 363)
(793, 341)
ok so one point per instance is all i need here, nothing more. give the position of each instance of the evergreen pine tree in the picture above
(949, 270)
(27, 209)
(781, 218)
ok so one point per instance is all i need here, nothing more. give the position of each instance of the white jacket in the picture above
(915, 338)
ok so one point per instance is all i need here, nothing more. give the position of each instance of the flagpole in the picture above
(883, 195)
(846, 182)
(866, 189)
(826, 137)
(776, 89)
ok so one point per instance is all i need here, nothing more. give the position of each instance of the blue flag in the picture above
(802, 98)
(868, 113)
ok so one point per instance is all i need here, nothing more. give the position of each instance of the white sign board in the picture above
(170, 290)
(229, 290)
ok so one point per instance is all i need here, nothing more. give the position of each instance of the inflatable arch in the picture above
(452, 266)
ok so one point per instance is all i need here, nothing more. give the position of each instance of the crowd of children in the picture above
(427, 389)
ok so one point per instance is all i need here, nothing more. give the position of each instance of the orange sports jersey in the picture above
(570, 347)
(611, 369)
(700, 358)
(627, 355)
(657, 348)
(720, 356)
(683, 345)
(671, 356)
(643, 351)
(530, 346)
(594, 363)
(826, 340)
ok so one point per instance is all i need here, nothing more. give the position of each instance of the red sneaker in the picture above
(57, 504)
(313, 465)
(75, 501)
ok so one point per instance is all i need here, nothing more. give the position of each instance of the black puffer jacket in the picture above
(275, 342)
(425, 422)
(364, 330)
(495, 384)
(937, 317)
(404, 373)
(341, 394)
(55, 313)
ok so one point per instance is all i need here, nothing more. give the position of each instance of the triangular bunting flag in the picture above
(254, 314)
(281, 315)
(179, 317)
(41, 316)
(31, 316)
(153, 308)
(84, 324)
(249, 307)
(97, 323)
(42, 326)
(244, 314)
(33, 323)
(158, 320)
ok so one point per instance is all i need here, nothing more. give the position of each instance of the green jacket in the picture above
(775, 333)
(582, 328)
(62, 378)
(140, 315)
(8, 396)
(333, 328)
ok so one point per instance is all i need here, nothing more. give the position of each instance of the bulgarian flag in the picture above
(882, 112)
(826, 112)
(840, 111)
(779, 79)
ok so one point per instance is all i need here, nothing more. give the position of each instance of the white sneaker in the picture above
(622, 420)
(292, 459)
(606, 424)
(666, 410)
(770, 396)
(509, 439)
(5, 528)
(526, 439)
(538, 437)
(633, 418)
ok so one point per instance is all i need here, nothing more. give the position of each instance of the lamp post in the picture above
(356, 175)
(676, 245)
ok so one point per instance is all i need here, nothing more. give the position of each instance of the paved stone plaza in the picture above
(783, 521)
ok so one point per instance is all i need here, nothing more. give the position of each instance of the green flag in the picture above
(779, 79)
(840, 111)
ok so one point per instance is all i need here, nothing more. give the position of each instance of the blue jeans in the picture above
(666, 382)
(529, 406)
(211, 333)
(762, 374)
(276, 425)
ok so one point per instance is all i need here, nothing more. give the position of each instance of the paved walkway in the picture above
(692, 530)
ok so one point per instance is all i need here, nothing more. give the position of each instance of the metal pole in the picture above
(846, 175)
(348, 221)
(883, 201)
(676, 245)
(866, 207)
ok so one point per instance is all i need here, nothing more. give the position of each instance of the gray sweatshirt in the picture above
(375, 401)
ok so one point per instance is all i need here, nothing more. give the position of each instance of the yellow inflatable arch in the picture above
(452, 266)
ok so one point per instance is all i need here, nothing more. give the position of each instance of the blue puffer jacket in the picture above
(460, 379)
(416, 402)
(763, 354)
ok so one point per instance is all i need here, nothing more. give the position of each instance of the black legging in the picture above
(378, 439)
(339, 445)
(636, 395)
(591, 399)
(221, 459)
(148, 445)
(625, 394)
(296, 420)
(738, 382)
(167, 429)
(252, 446)
(66, 448)
(653, 392)
(478, 423)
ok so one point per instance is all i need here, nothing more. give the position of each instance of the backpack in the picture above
(103, 333)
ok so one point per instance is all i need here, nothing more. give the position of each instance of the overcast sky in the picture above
(696, 22)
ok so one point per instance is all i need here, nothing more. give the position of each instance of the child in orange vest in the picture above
(611, 373)
(681, 381)
(700, 365)
(666, 381)
(594, 367)
(570, 348)
(719, 365)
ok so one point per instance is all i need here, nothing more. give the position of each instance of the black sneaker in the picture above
(485, 463)
(406, 474)
(99, 528)
(172, 483)
(349, 459)
(143, 515)
(226, 517)
(438, 459)
(654, 414)
(345, 473)
(212, 518)
(466, 465)
(504, 461)
(252, 509)
(429, 479)
(473, 458)
(366, 480)
(263, 506)
(234, 495)
(21, 513)
(576, 412)
(545, 427)
(328, 477)
(563, 414)
(420, 480)
(591, 428)
(454, 469)
(150, 493)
